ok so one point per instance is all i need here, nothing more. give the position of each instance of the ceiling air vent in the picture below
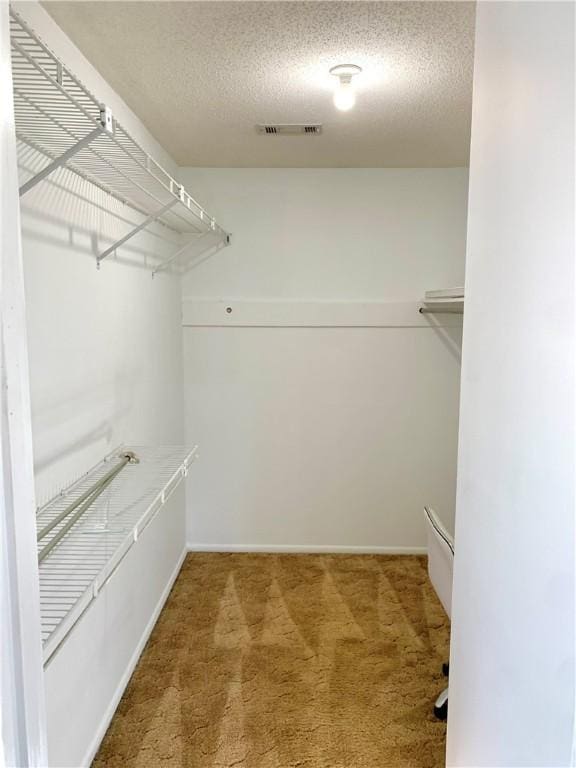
(290, 128)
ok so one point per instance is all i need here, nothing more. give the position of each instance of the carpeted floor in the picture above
(288, 661)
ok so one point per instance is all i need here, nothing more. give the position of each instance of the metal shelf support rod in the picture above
(139, 228)
(61, 160)
(440, 311)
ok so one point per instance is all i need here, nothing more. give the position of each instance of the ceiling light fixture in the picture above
(344, 95)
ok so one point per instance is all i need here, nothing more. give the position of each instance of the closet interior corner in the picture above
(251, 484)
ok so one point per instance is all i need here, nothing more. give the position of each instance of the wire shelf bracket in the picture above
(178, 252)
(186, 247)
(60, 161)
(61, 120)
(148, 220)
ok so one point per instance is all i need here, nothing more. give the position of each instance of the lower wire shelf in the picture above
(83, 559)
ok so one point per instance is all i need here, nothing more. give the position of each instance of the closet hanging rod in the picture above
(45, 551)
(75, 572)
(440, 311)
(84, 502)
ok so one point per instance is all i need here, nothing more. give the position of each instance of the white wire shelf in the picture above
(443, 301)
(76, 569)
(66, 126)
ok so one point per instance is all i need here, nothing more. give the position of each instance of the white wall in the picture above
(106, 368)
(335, 436)
(86, 678)
(105, 356)
(512, 658)
(351, 234)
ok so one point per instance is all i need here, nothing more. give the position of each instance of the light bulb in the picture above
(344, 96)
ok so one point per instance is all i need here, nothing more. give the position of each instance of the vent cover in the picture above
(289, 128)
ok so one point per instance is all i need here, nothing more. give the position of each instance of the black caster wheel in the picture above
(441, 712)
(446, 669)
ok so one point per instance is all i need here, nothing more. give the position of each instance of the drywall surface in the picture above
(512, 657)
(105, 356)
(202, 74)
(350, 234)
(322, 435)
(106, 368)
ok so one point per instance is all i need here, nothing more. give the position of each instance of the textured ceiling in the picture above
(200, 75)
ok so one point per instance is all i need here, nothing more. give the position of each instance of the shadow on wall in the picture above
(79, 422)
(102, 431)
(451, 337)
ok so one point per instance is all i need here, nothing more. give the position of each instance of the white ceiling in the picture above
(200, 75)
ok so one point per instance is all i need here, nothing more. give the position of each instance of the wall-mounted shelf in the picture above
(66, 126)
(76, 569)
(443, 301)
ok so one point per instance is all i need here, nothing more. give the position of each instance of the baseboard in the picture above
(306, 549)
(109, 714)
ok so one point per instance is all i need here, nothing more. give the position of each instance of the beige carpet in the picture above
(288, 661)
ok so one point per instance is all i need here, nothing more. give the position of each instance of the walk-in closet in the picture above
(287, 296)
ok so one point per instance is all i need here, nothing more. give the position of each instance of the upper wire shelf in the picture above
(58, 118)
(88, 551)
